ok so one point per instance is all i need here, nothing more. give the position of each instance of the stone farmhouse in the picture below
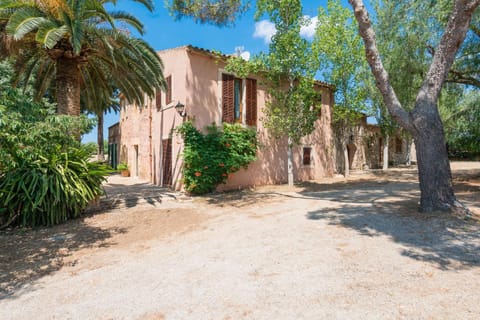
(197, 81)
(200, 89)
(365, 148)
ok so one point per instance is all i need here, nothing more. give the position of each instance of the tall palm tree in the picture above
(98, 101)
(76, 44)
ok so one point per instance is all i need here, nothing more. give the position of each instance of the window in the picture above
(168, 97)
(398, 145)
(231, 98)
(233, 91)
(307, 156)
(251, 102)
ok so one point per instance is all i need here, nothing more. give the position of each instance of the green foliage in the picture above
(122, 166)
(45, 177)
(90, 148)
(48, 191)
(91, 38)
(341, 55)
(216, 12)
(289, 69)
(460, 112)
(210, 157)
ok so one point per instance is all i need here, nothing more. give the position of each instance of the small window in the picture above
(232, 89)
(398, 145)
(168, 97)
(307, 156)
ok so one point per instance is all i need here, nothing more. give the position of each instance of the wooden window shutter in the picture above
(251, 102)
(228, 98)
(158, 98)
(168, 97)
(307, 156)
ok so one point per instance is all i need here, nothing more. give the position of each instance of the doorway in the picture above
(167, 162)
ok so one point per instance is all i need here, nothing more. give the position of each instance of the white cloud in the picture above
(264, 29)
(308, 31)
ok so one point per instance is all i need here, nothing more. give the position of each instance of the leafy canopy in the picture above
(87, 35)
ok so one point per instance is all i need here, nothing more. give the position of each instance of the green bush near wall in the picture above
(45, 176)
(209, 158)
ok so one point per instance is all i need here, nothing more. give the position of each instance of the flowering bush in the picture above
(209, 158)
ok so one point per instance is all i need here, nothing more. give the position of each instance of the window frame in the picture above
(309, 157)
(245, 101)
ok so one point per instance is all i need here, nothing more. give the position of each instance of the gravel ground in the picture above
(335, 249)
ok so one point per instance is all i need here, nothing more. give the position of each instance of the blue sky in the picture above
(163, 32)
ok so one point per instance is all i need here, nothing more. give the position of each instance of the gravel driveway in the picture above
(335, 249)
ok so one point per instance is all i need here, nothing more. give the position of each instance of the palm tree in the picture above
(97, 101)
(76, 45)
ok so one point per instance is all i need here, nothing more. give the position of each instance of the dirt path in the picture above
(338, 249)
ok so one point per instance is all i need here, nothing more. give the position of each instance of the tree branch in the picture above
(381, 76)
(455, 76)
(446, 50)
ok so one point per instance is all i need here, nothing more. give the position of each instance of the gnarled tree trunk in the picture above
(424, 122)
(432, 159)
(68, 86)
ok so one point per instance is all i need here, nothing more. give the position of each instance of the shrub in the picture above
(209, 158)
(122, 166)
(45, 176)
(47, 191)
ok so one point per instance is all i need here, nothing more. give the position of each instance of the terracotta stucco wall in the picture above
(196, 83)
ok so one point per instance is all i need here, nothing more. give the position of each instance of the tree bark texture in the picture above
(68, 86)
(346, 160)
(290, 162)
(100, 153)
(423, 122)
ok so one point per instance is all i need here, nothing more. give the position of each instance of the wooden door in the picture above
(167, 162)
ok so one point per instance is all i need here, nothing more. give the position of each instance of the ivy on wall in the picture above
(209, 158)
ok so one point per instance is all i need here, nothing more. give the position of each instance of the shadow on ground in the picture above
(129, 196)
(28, 255)
(391, 209)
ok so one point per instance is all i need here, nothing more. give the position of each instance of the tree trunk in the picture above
(385, 152)
(68, 86)
(290, 162)
(424, 121)
(346, 160)
(100, 153)
(433, 165)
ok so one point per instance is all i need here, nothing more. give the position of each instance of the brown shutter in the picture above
(168, 97)
(158, 98)
(251, 101)
(307, 153)
(227, 98)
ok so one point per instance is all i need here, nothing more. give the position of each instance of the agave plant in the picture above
(78, 45)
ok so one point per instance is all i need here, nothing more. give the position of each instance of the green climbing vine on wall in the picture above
(209, 158)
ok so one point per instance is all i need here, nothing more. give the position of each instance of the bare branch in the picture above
(381, 76)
